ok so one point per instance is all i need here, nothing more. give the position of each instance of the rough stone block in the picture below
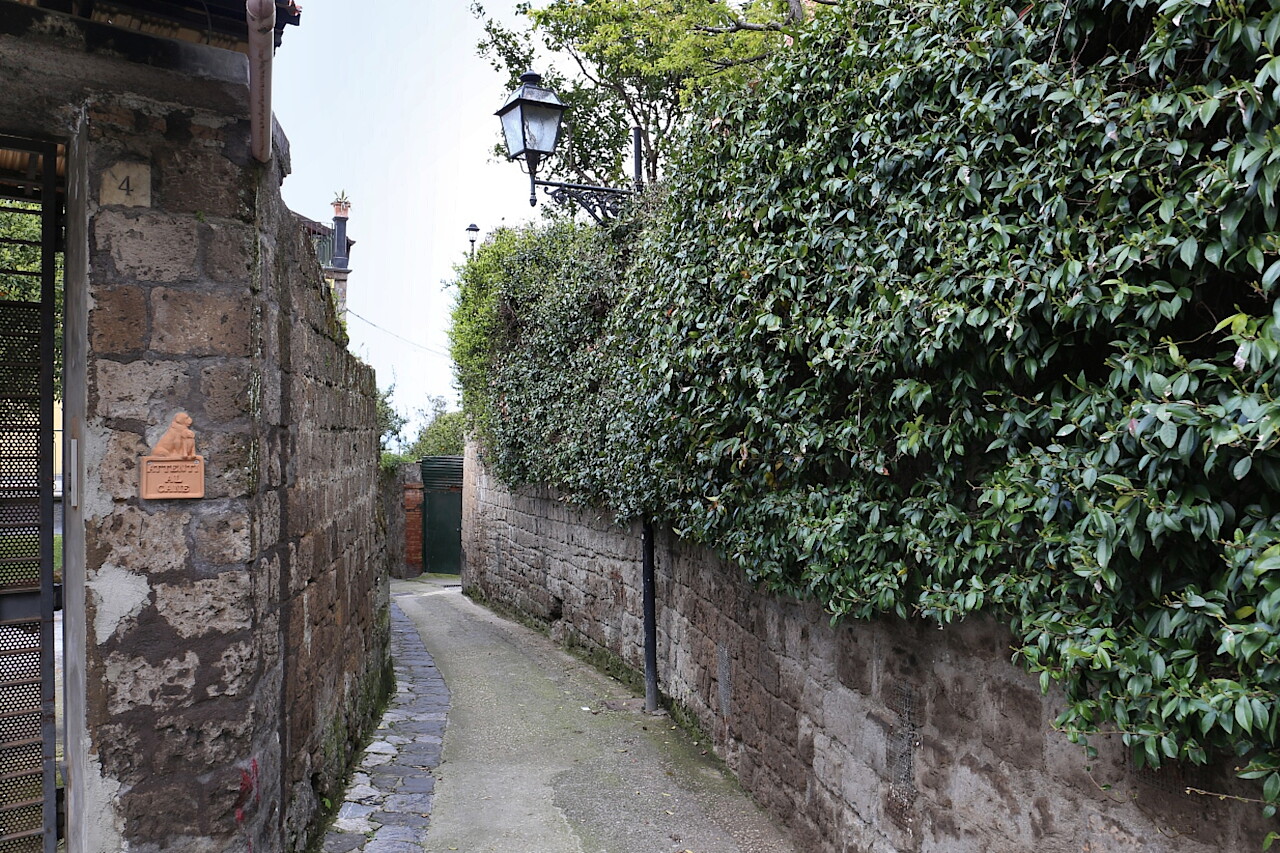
(118, 321)
(228, 464)
(117, 469)
(221, 539)
(147, 245)
(228, 252)
(221, 741)
(195, 180)
(224, 388)
(143, 390)
(192, 323)
(218, 605)
(237, 669)
(266, 518)
(137, 683)
(141, 541)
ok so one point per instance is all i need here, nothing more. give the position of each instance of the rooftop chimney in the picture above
(341, 212)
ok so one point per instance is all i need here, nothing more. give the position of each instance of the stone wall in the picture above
(392, 499)
(222, 654)
(875, 737)
(334, 587)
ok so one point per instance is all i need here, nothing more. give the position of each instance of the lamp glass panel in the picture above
(513, 131)
(541, 127)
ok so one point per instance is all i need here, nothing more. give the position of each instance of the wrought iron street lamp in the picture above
(473, 231)
(531, 128)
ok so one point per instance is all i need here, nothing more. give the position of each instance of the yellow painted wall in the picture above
(57, 438)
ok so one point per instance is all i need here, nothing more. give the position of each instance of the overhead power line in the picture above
(423, 347)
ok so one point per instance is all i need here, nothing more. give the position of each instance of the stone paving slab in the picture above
(387, 806)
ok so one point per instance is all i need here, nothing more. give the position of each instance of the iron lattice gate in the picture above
(28, 280)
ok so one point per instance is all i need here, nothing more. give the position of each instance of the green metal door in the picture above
(442, 514)
(443, 535)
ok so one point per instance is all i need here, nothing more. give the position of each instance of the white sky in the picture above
(389, 102)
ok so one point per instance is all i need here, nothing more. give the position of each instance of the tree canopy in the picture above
(442, 432)
(619, 64)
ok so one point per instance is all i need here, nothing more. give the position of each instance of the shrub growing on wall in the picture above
(543, 342)
(970, 307)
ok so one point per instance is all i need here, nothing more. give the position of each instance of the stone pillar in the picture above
(182, 658)
(224, 655)
(340, 270)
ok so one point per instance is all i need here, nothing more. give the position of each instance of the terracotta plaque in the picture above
(172, 478)
(174, 469)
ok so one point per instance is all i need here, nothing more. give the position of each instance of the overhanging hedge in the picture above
(959, 307)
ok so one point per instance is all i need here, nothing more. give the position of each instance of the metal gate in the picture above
(30, 205)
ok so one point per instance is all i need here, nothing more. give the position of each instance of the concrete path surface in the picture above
(543, 754)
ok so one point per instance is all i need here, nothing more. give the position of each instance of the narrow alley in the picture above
(541, 752)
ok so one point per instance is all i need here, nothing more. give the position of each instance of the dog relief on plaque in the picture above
(173, 470)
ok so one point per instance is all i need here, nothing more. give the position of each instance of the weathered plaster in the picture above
(218, 605)
(100, 829)
(136, 683)
(118, 596)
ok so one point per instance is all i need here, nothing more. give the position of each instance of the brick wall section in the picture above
(879, 736)
(413, 529)
(225, 653)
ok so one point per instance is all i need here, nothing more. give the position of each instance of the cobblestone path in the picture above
(388, 805)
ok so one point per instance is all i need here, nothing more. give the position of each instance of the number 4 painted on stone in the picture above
(126, 184)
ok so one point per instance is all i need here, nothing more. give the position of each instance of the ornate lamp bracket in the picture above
(603, 203)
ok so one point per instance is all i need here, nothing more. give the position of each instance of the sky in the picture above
(389, 102)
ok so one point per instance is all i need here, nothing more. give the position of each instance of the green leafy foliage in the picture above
(390, 422)
(20, 253)
(960, 307)
(554, 339)
(443, 432)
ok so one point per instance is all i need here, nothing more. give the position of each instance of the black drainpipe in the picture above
(650, 621)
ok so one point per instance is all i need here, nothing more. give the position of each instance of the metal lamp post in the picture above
(531, 127)
(473, 231)
(531, 120)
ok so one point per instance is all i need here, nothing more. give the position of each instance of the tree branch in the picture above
(741, 26)
(595, 79)
(725, 64)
